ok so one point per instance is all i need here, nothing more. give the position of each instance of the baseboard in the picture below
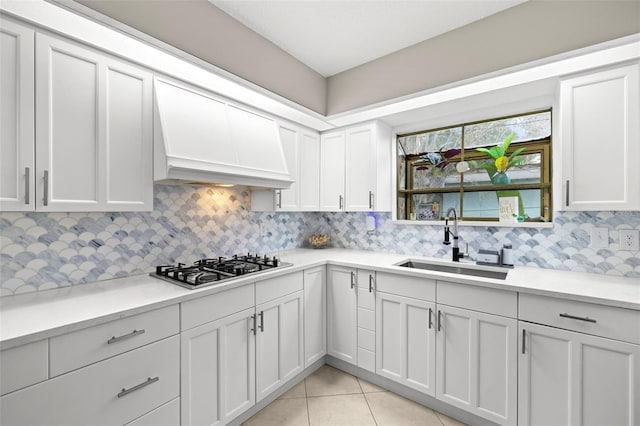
(275, 395)
(412, 394)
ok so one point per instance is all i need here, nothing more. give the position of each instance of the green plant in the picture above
(501, 163)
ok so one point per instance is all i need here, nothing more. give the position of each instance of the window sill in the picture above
(479, 223)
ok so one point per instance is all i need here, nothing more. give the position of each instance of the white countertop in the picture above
(34, 316)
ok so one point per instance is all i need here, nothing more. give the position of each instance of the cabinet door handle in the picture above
(262, 321)
(340, 202)
(115, 339)
(253, 319)
(370, 283)
(566, 200)
(587, 319)
(279, 203)
(27, 177)
(45, 196)
(524, 336)
(149, 380)
(353, 279)
(371, 200)
(439, 320)
(430, 322)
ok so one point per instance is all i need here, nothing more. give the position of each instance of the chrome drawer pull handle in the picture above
(254, 329)
(524, 336)
(149, 380)
(45, 196)
(353, 279)
(279, 203)
(587, 319)
(27, 176)
(371, 200)
(115, 339)
(430, 322)
(439, 320)
(262, 321)
(566, 201)
(340, 203)
(370, 283)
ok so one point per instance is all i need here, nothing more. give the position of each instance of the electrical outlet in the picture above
(599, 237)
(629, 239)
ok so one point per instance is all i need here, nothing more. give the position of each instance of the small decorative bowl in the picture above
(318, 241)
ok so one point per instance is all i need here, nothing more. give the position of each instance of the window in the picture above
(442, 168)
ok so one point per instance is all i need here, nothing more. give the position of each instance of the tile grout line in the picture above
(306, 401)
(367, 401)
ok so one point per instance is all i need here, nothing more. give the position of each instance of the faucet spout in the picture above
(455, 248)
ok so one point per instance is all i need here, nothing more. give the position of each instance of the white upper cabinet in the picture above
(16, 117)
(355, 169)
(92, 127)
(600, 133)
(332, 174)
(302, 155)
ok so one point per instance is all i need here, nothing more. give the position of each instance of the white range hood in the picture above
(199, 138)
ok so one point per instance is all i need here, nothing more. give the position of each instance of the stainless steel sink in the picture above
(458, 269)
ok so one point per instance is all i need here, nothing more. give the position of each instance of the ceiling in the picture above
(332, 36)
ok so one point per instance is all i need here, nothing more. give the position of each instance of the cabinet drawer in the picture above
(112, 392)
(277, 287)
(83, 347)
(210, 308)
(366, 339)
(599, 320)
(166, 415)
(23, 366)
(402, 285)
(366, 359)
(366, 299)
(481, 299)
(367, 319)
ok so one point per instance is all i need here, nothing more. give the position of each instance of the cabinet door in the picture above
(405, 341)
(600, 119)
(16, 117)
(309, 173)
(288, 199)
(279, 342)
(93, 139)
(342, 341)
(332, 171)
(360, 168)
(477, 365)
(569, 378)
(217, 370)
(315, 320)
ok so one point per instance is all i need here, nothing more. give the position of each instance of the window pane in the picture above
(426, 175)
(528, 171)
(526, 128)
(484, 204)
(435, 141)
(426, 207)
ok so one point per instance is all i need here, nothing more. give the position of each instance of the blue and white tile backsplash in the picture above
(40, 251)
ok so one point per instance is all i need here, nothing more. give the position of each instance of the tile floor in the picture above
(330, 397)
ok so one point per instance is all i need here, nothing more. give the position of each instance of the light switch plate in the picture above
(599, 238)
(629, 239)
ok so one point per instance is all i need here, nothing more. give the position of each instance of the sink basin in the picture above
(451, 269)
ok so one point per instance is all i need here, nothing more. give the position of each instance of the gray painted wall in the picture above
(527, 32)
(202, 30)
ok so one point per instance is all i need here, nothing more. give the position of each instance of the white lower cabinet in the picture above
(405, 346)
(315, 314)
(279, 343)
(166, 415)
(342, 320)
(234, 359)
(477, 363)
(111, 392)
(366, 283)
(566, 377)
(217, 364)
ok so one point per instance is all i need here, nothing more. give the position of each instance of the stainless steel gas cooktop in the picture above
(206, 272)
